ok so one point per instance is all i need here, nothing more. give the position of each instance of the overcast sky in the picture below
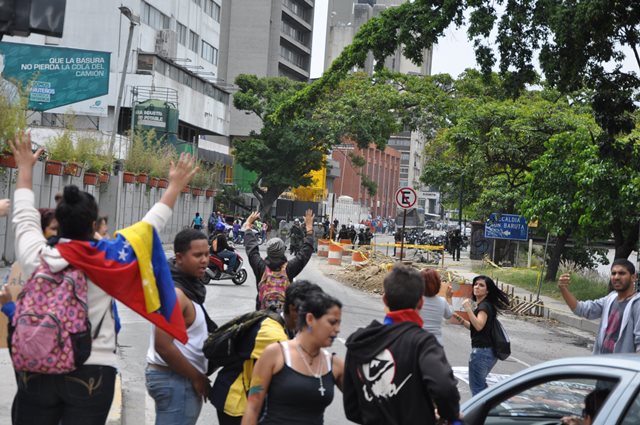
(452, 55)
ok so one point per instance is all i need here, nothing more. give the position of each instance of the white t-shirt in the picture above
(433, 311)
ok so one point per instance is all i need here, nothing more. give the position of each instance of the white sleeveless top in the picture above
(192, 350)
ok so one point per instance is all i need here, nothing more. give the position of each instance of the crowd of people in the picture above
(283, 372)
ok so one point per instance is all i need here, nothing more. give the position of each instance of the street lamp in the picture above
(133, 21)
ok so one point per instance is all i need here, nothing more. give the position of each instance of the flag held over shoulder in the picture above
(133, 269)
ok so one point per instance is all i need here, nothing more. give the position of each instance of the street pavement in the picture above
(533, 341)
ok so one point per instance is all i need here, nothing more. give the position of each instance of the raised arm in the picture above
(29, 240)
(179, 176)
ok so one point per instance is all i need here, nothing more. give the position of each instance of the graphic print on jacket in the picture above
(378, 375)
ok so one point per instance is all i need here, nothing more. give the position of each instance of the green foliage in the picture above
(92, 152)
(61, 147)
(140, 156)
(584, 288)
(13, 119)
(369, 185)
(228, 196)
(360, 110)
(491, 142)
(161, 158)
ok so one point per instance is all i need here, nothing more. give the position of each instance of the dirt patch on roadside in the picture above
(370, 275)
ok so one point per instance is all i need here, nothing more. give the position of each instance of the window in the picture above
(294, 33)
(404, 156)
(404, 170)
(209, 53)
(297, 9)
(551, 399)
(153, 17)
(193, 41)
(293, 57)
(182, 33)
(216, 12)
(212, 9)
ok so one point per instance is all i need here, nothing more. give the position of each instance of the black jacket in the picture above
(394, 374)
(258, 265)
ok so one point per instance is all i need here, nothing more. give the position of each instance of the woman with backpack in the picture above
(84, 395)
(297, 377)
(489, 301)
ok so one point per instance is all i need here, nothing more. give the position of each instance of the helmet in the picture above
(219, 226)
(296, 221)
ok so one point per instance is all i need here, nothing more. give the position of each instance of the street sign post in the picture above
(406, 198)
(506, 226)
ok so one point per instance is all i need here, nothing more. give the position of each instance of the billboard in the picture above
(57, 79)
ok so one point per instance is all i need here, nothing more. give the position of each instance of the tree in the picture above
(554, 187)
(580, 46)
(283, 153)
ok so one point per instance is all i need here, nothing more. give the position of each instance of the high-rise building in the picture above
(343, 22)
(267, 38)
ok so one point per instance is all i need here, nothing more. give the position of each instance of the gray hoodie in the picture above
(629, 337)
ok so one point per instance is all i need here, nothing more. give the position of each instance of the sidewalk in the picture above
(553, 308)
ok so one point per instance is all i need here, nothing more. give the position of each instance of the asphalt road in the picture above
(532, 341)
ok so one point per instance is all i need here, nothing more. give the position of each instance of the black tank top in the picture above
(294, 398)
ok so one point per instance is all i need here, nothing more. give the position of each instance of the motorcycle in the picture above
(218, 269)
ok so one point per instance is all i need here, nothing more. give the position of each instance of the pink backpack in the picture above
(52, 332)
(272, 287)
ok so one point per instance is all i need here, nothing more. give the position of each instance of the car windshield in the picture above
(553, 399)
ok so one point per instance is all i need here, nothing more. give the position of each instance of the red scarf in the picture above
(406, 315)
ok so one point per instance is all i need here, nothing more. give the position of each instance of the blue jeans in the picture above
(176, 401)
(481, 361)
(232, 256)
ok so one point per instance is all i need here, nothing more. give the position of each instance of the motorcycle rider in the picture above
(220, 247)
(297, 236)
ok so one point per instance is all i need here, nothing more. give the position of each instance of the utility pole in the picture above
(133, 21)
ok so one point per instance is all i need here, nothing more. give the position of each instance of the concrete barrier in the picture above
(335, 255)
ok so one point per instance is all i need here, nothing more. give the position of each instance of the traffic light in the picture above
(22, 17)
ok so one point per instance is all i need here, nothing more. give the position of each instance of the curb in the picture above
(115, 413)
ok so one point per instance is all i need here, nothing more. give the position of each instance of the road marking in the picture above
(517, 360)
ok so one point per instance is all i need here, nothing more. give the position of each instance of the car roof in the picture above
(618, 361)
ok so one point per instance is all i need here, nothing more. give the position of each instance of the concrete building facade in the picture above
(267, 38)
(175, 47)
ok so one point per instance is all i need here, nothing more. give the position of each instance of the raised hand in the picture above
(564, 281)
(308, 220)
(21, 148)
(183, 171)
(5, 207)
(252, 217)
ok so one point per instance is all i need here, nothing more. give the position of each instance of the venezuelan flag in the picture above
(133, 269)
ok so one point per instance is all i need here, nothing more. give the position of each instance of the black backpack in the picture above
(500, 340)
(221, 345)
